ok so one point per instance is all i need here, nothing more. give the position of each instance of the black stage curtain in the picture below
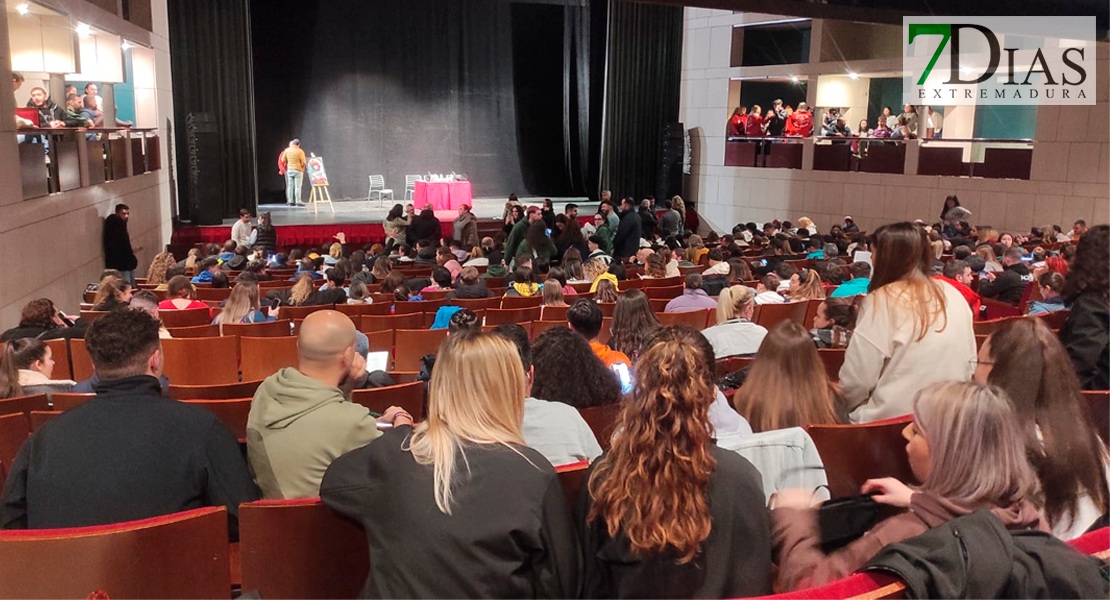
(642, 94)
(210, 57)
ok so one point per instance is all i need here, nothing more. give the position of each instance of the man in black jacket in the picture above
(129, 453)
(426, 226)
(1010, 284)
(626, 241)
(118, 253)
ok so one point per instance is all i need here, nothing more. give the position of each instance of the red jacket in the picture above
(972, 298)
(281, 162)
(736, 125)
(800, 123)
(753, 126)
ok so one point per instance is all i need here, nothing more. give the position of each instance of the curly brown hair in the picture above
(652, 485)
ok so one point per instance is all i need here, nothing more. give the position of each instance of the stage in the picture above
(360, 220)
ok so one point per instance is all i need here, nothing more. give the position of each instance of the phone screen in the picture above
(624, 376)
(548, 230)
(275, 303)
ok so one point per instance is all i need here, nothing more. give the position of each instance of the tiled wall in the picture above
(52, 245)
(1070, 176)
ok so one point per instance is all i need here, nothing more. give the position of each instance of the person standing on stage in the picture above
(118, 253)
(291, 163)
(466, 228)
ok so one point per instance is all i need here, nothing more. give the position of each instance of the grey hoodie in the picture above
(296, 428)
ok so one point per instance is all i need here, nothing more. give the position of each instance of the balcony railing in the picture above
(970, 157)
(64, 159)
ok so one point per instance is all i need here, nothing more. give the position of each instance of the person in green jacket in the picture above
(516, 236)
(537, 243)
(601, 226)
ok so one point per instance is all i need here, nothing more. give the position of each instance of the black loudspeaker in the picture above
(669, 181)
(206, 169)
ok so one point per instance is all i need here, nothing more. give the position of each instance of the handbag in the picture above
(844, 520)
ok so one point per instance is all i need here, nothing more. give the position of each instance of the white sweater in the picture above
(885, 366)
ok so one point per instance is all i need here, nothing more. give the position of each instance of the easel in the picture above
(320, 195)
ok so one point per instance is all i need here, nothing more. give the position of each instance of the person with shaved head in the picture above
(300, 420)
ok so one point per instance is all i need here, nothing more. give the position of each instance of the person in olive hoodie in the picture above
(1010, 284)
(300, 421)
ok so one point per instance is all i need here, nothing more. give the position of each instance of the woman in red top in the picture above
(753, 126)
(736, 122)
(180, 293)
(801, 122)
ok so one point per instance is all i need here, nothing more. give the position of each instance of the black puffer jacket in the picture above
(1009, 285)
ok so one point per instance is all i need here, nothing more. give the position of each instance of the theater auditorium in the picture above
(554, 298)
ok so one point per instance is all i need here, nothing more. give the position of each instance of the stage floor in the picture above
(361, 211)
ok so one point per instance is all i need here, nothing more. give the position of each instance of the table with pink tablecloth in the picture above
(445, 195)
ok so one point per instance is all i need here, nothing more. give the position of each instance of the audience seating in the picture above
(201, 361)
(601, 420)
(24, 405)
(661, 293)
(556, 313)
(664, 282)
(409, 396)
(632, 283)
(59, 350)
(416, 343)
(264, 356)
(811, 312)
(434, 294)
(354, 310)
(769, 315)
(979, 341)
(270, 329)
(607, 308)
(40, 418)
(496, 316)
(572, 478)
(995, 309)
(403, 376)
(509, 302)
(833, 358)
(300, 549)
(581, 288)
(383, 298)
(183, 555)
(659, 305)
(696, 319)
(185, 318)
(14, 429)
(538, 327)
(64, 401)
(1098, 403)
(989, 327)
(476, 303)
(217, 294)
(870, 585)
(300, 312)
(381, 341)
(79, 359)
(497, 282)
(606, 330)
(852, 454)
(90, 297)
(195, 331)
(733, 364)
(225, 391)
(1055, 320)
(424, 306)
(232, 413)
(385, 323)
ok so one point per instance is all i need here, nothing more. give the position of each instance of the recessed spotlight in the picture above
(853, 75)
(83, 30)
(125, 46)
(22, 8)
(794, 78)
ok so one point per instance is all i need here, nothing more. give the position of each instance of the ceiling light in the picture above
(853, 75)
(794, 78)
(125, 46)
(22, 8)
(83, 30)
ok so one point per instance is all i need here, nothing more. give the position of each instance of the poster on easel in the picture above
(316, 173)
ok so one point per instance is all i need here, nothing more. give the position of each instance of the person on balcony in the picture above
(753, 125)
(801, 121)
(838, 128)
(775, 123)
(735, 127)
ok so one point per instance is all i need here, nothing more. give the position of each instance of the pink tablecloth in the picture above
(448, 195)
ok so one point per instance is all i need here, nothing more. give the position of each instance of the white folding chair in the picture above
(410, 185)
(377, 186)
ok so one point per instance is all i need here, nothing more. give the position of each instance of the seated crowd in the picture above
(467, 502)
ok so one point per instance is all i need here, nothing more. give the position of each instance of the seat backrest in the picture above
(390, 322)
(80, 360)
(194, 332)
(24, 404)
(213, 294)
(14, 429)
(185, 318)
(690, 318)
(852, 454)
(232, 413)
(555, 313)
(201, 361)
(833, 359)
(41, 417)
(271, 329)
(353, 310)
(811, 312)
(300, 549)
(1055, 319)
(602, 420)
(991, 326)
(420, 306)
(539, 327)
(377, 181)
(88, 316)
(1098, 404)
(661, 293)
(409, 396)
(223, 391)
(64, 401)
(663, 282)
(771, 314)
(509, 302)
(264, 356)
(495, 316)
(183, 555)
(417, 343)
(572, 478)
(403, 376)
(59, 351)
(476, 303)
(300, 312)
(607, 308)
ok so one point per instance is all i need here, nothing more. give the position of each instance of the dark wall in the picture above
(765, 92)
(782, 44)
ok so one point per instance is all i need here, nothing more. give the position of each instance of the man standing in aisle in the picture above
(241, 230)
(293, 161)
(118, 253)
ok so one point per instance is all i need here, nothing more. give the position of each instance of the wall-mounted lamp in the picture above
(22, 9)
(83, 30)
(125, 46)
(853, 75)
(794, 78)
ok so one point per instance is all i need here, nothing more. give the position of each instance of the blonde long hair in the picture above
(594, 268)
(242, 302)
(808, 288)
(733, 301)
(301, 290)
(156, 274)
(976, 445)
(469, 405)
